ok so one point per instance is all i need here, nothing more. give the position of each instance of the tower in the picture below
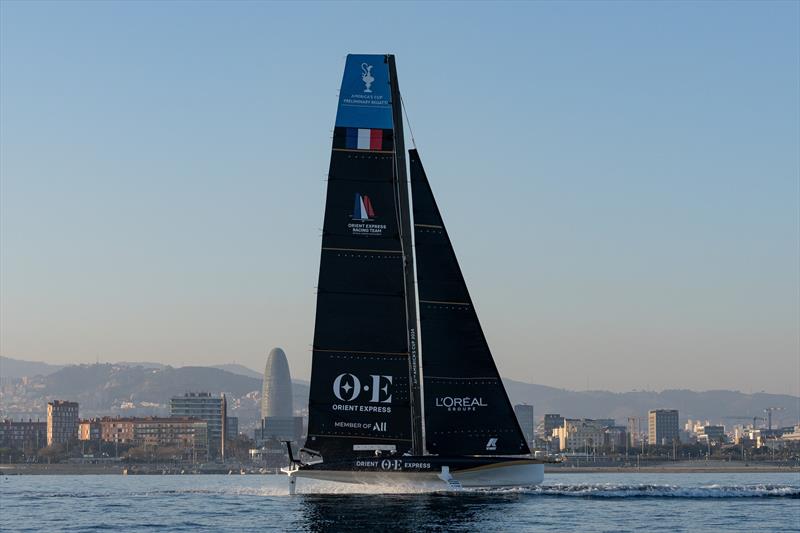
(276, 394)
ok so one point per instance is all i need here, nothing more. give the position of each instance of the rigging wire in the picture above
(410, 129)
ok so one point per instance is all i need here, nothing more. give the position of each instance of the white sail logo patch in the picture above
(463, 403)
(347, 387)
(367, 77)
(492, 444)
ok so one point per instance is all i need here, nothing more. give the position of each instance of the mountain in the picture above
(16, 368)
(145, 388)
(99, 385)
(714, 405)
(121, 389)
(241, 370)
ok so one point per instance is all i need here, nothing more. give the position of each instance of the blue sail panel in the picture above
(365, 98)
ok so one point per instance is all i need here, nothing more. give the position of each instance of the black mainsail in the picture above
(467, 410)
(363, 391)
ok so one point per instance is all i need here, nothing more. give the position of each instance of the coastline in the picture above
(678, 468)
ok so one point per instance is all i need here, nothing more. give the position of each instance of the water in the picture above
(566, 502)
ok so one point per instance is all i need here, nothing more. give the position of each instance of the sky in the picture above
(621, 181)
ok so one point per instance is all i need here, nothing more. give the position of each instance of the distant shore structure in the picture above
(276, 397)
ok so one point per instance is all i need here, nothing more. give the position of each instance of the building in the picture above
(605, 422)
(278, 422)
(187, 436)
(711, 433)
(279, 429)
(580, 435)
(117, 430)
(276, 396)
(62, 422)
(211, 409)
(90, 430)
(552, 422)
(662, 427)
(615, 438)
(634, 431)
(524, 414)
(232, 427)
(27, 436)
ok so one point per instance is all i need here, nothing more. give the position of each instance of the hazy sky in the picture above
(620, 181)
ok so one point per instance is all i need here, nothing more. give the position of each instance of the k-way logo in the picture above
(347, 387)
(465, 403)
(492, 444)
(363, 218)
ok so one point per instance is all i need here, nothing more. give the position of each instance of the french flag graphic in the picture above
(364, 139)
(363, 208)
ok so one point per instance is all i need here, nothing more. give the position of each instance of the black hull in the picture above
(427, 463)
(428, 471)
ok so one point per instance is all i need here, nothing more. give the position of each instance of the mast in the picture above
(404, 226)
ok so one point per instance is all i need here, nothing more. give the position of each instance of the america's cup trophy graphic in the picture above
(366, 76)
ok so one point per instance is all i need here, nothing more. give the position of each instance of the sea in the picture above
(565, 502)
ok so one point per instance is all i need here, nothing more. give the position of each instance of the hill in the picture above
(714, 405)
(134, 388)
(242, 370)
(16, 368)
(117, 389)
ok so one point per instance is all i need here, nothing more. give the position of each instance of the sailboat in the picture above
(404, 389)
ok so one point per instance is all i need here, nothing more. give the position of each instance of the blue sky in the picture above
(620, 180)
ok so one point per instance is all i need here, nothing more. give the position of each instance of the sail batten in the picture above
(467, 411)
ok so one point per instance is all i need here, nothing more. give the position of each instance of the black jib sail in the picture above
(361, 384)
(467, 411)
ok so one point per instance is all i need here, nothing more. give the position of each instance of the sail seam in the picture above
(363, 151)
(354, 436)
(443, 302)
(357, 351)
(363, 250)
(464, 379)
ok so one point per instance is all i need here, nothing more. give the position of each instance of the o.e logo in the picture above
(347, 387)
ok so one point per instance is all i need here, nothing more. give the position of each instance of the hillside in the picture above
(16, 368)
(712, 405)
(115, 389)
(104, 389)
(242, 370)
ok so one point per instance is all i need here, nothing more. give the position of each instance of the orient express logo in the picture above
(363, 218)
(363, 208)
(465, 403)
(348, 387)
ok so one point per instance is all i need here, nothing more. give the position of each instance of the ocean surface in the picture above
(565, 502)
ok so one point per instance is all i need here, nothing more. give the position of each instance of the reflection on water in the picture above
(571, 502)
(402, 512)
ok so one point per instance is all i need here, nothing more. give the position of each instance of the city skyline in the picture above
(628, 214)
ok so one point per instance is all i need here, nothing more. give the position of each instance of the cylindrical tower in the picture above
(276, 398)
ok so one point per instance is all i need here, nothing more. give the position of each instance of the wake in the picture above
(599, 490)
(621, 491)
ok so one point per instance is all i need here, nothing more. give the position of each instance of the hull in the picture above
(429, 471)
